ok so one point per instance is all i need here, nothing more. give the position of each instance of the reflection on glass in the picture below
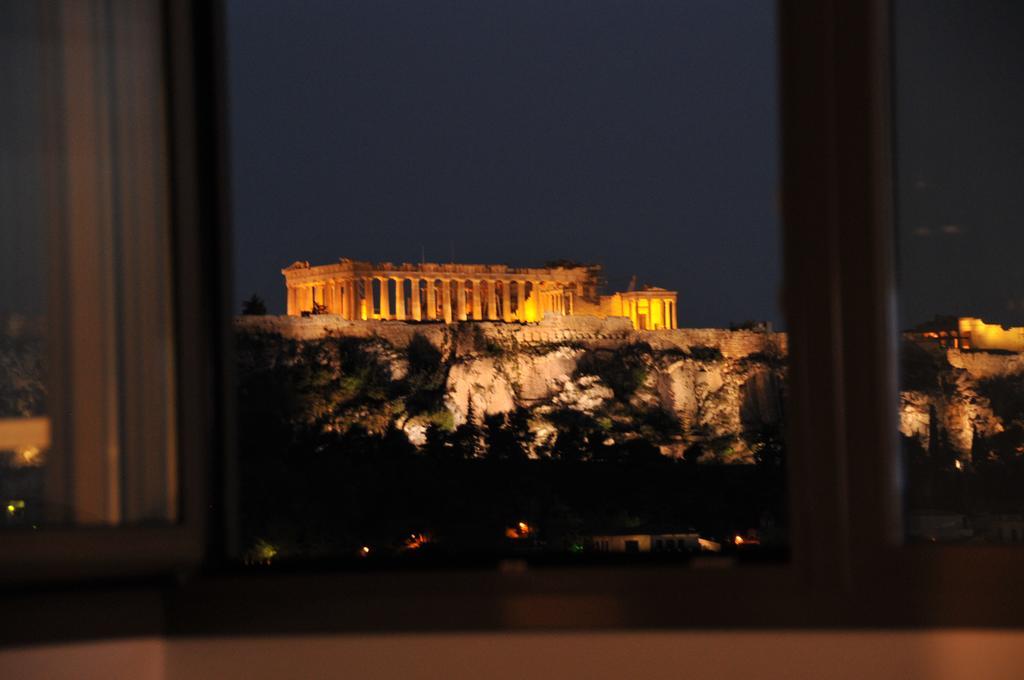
(960, 193)
(496, 265)
(86, 347)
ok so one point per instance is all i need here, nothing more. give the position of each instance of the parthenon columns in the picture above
(460, 299)
(506, 301)
(293, 305)
(492, 301)
(385, 298)
(417, 300)
(346, 288)
(399, 298)
(446, 300)
(431, 300)
(477, 312)
(367, 311)
(521, 300)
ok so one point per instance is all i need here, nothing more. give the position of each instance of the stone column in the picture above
(446, 299)
(460, 299)
(492, 301)
(541, 302)
(416, 299)
(572, 303)
(506, 300)
(385, 298)
(353, 305)
(431, 300)
(477, 312)
(292, 302)
(400, 299)
(521, 307)
(367, 311)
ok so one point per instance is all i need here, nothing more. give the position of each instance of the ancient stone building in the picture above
(459, 292)
(976, 334)
(968, 332)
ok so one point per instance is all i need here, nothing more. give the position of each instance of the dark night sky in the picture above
(960, 158)
(639, 135)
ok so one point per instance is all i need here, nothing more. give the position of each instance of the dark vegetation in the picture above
(254, 306)
(988, 481)
(22, 388)
(326, 468)
(623, 370)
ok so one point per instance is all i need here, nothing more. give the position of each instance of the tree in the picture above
(502, 440)
(768, 445)
(466, 439)
(438, 445)
(254, 306)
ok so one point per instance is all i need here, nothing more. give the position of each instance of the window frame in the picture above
(895, 582)
(812, 589)
(848, 563)
(70, 554)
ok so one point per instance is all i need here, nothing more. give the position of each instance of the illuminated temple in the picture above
(461, 292)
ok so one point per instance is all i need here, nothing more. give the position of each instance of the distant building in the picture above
(939, 526)
(976, 334)
(1000, 528)
(643, 542)
(968, 332)
(942, 330)
(460, 292)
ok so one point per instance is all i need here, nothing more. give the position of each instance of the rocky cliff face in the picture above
(971, 399)
(705, 394)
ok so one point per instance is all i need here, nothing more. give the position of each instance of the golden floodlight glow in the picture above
(738, 540)
(356, 290)
(520, 530)
(416, 541)
(364, 551)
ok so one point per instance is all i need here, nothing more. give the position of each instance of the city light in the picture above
(14, 507)
(416, 541)
(519, 531)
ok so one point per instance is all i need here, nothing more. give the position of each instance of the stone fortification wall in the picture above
(981, 365)
(591, 331)
(706, 387)
(398, 333)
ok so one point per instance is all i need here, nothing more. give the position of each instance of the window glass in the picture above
(959, 148)
(86, 349)
(506, 276)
